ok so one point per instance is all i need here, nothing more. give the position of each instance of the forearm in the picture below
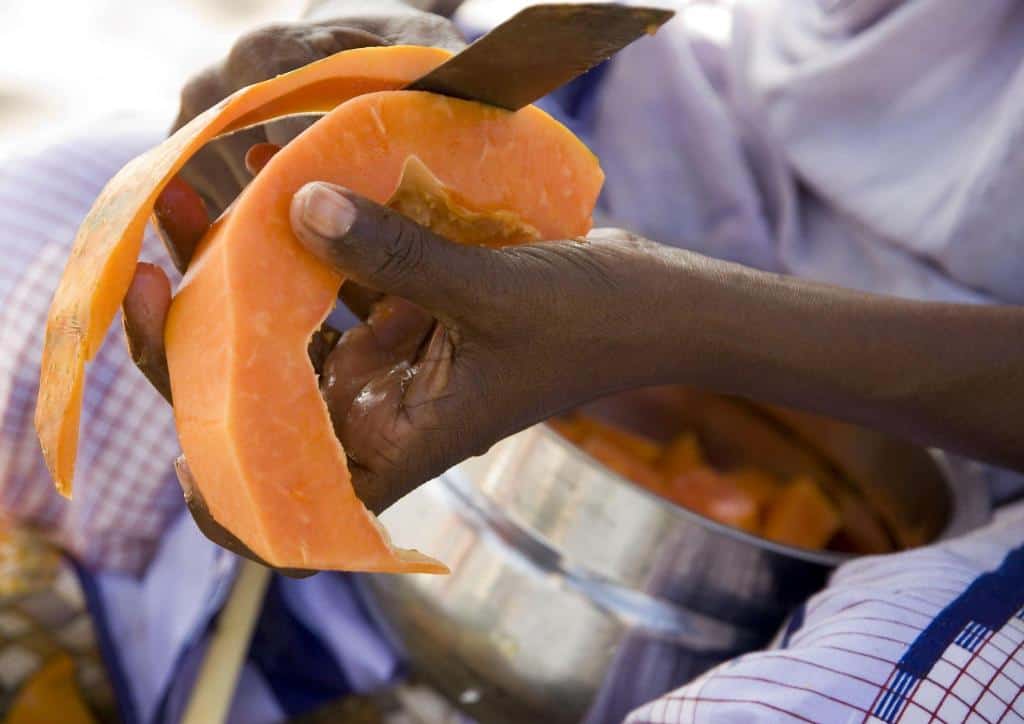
(938, 374)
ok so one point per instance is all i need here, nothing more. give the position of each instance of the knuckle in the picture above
(267, 51)
(403, 249)
(249, 50)
(201, 93)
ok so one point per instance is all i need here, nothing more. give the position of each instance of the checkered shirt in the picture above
(931, 635)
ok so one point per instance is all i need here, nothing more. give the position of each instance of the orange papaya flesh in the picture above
(639, 446)
(802, 515)
(569, 427)
(623, 462)
(705, 491)
(280, 481)
(759, 485)
(681, 455)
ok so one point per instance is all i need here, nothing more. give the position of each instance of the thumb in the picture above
(381, 249)
(145, 308)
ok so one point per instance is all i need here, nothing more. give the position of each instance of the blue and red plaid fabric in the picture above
(930, 635)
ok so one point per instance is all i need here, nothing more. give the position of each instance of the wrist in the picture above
(671, 333)
(635, 322)
(742, 331)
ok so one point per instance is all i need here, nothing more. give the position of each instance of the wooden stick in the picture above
(218, 675)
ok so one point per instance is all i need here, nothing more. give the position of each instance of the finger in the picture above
(259, 156)
(394, 332)
(418, 29)
(275, 49)
(211, 177)
(213, 530)
(182, 220)
(200, 93)
(433, 373)
(399, 430)
(376, 440)
(383, 250)
(144, 314)
(330, 38)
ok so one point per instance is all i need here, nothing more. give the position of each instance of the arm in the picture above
(946, 375)
(560, 324)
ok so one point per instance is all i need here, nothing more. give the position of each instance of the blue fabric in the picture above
(986, 605)
(295, 663)
(127, 711)
(154, 623)
(330, 606)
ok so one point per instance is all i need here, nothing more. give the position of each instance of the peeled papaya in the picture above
(249, 415)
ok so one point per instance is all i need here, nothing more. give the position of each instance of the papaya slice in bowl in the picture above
(250, 418)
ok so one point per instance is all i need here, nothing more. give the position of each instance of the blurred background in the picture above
(63, 64)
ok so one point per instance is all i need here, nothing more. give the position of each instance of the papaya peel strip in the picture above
(106, 248)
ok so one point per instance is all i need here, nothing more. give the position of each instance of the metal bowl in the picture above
(577, 596)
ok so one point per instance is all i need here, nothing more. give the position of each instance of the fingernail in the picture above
(326, 212)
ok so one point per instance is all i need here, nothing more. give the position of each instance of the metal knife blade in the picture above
(539, 49)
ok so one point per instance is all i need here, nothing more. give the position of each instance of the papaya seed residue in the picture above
(423, 198)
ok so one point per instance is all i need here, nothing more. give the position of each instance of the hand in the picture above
(218, 171)
(466, 345)
(461, 345)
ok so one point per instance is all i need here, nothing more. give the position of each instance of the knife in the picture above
(538, 50)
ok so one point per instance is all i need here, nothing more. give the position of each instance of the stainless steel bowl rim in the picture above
(697, 631)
